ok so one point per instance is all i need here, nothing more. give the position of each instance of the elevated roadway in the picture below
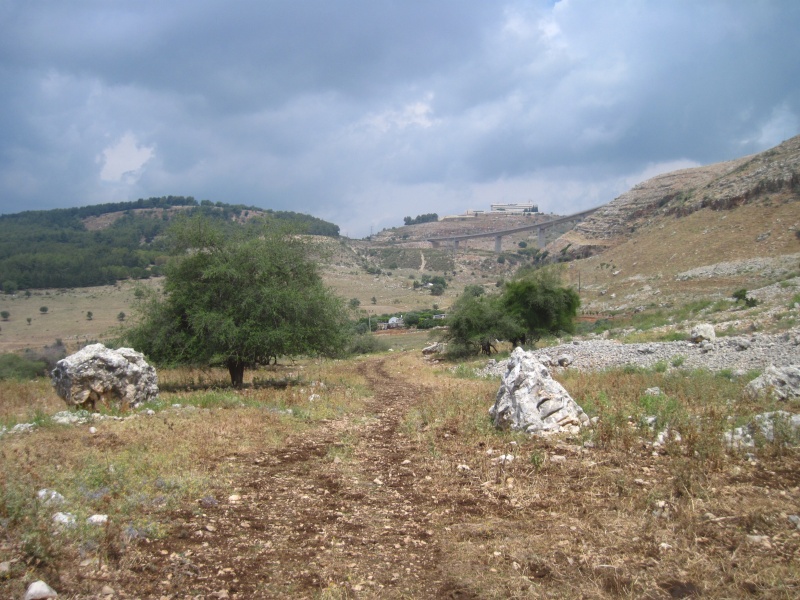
(540, 229)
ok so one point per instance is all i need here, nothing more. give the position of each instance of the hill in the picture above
(694, 233)
(101, 244)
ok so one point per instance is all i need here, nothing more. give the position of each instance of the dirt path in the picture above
(344, 506)
(421, 261)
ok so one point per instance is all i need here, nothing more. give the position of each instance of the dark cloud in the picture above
(365, 112)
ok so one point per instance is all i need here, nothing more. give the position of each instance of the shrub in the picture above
(366, 344)
(13, 366)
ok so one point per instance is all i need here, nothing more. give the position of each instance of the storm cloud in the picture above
(365, 112)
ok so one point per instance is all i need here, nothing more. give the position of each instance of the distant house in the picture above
(441, 316)
(394, 323)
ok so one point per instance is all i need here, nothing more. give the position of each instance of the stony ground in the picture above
(737, 353)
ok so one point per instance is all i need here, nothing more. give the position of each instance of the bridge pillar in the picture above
(498, 243)
(540, 239)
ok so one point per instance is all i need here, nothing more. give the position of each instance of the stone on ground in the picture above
(703, 332)
(779, 383)
(39, 590)
(530, 400)
(115, 378)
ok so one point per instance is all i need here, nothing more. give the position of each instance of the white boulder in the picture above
(96, 374)
(703, 332)
(779, 383)
(530, 400)
(39, 590)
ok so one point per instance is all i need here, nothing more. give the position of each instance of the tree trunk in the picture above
(236, 369)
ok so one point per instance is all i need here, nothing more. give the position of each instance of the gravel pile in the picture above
(738, 353)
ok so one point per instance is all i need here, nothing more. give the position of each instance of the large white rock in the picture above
(530, 400)
(96, 374)
(780, 383)
(39, 590)
(703, 332)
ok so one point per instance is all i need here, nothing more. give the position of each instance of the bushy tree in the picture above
(532, 305)
(475, 322)
(541, 304)
(5, 315)
(237, 300)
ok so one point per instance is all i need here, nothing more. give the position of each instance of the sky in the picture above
(364, 112)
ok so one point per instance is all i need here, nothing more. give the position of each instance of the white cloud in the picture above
(782, 125)
(123, 161)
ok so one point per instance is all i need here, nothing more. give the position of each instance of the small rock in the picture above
(653, 391)
(234, 498)
(50, 497)
(107, 591)
(795, 520)
(5, 568)
(463, 468)
(97, 520)
(64, 519)
(761, 540)
(558, 458)
(39, 590)
(92, 430)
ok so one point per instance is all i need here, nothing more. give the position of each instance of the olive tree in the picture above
(237, 299)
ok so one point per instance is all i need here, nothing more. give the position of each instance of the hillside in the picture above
(102, 244)
(693, 233)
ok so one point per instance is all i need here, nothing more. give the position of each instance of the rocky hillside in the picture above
(696, 234)
(772, 176)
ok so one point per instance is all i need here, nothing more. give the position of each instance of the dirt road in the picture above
(343, 508)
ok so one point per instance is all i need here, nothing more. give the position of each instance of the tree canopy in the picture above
(238, 299)
(530, 306)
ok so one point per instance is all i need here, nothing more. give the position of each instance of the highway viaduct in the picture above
(540, 229)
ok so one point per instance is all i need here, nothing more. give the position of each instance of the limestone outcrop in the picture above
(779, 383)
(99, 375)
(530, 400)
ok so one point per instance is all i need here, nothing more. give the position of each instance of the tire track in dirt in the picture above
(305, 521)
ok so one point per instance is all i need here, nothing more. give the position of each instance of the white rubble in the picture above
(530, 400)
(96, 374)
(763, 426)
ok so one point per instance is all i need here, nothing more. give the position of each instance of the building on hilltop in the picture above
(515, 208)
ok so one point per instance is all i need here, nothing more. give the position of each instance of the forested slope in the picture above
(56, 249)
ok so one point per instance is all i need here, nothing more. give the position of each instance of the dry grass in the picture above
(599, 515)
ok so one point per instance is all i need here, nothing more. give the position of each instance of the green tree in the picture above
(121, 317)
(475, 322)
(354, 303)
(530, 306)
(29, 320)
(238, 300)
(89, 315)
(43, 310)
(541, 304)
(5, 314)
